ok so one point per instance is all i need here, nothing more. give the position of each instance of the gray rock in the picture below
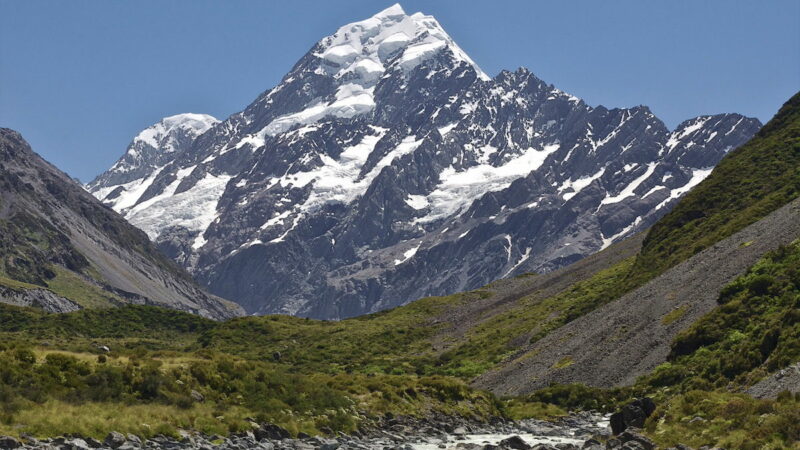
(114, 439)
(515, 442)
(135, 440)
(93, 443)
(76, 444)
(196, 396)
(633, 437)
(8, 442)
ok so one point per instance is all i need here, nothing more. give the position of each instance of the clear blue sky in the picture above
(80, 78)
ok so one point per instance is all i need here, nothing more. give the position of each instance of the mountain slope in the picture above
(62, 249)
(386, 166)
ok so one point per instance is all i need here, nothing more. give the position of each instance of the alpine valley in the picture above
(526, 271)
(386, 166)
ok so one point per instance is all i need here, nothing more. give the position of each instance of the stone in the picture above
(75, 444)
(270, 431)
(634, 436)
(634, 414)
(617, 422)
(592, 444)
(469, 446)
(114, 439)
(632, 445)
(8, 442)
(196, 396)
(515, 442)
(93, 443)
(134, 439)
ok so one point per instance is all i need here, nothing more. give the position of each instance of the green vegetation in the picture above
(674, 315)
(725, 420)
(82, 291)
(153, 369)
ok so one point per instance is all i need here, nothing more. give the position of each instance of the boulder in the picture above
(114, 439)
(7, 442)
(75, 444)
(515, 442)
(271, 431)
(196, 396)
(93, 443)
(469, 446)
(592, 444)
(634, 437)
(632, 445)
(634, 414)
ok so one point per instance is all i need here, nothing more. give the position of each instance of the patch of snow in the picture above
(698, 175)
(193, 209)
(337, 180)
(417, 201)
(525, 257)
(408, 254)
(459, 189)
(681, 133)
(629, 189)
(579, 184)
(626, 230)
(447, 128)
(351, 100)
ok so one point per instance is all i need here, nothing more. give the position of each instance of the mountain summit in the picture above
(386, 166)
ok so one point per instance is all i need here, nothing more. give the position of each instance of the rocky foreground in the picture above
(585, 430)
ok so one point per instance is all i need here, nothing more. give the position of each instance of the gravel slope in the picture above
(627, 338)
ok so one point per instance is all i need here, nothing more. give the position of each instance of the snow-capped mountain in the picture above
(387, 166)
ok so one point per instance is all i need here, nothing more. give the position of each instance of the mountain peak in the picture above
(191, 123)
(364, 48)
(392, 11)
(153, 148)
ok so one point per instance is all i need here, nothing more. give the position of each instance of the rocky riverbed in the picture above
(577, 431)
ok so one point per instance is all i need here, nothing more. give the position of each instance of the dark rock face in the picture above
(386, 167)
